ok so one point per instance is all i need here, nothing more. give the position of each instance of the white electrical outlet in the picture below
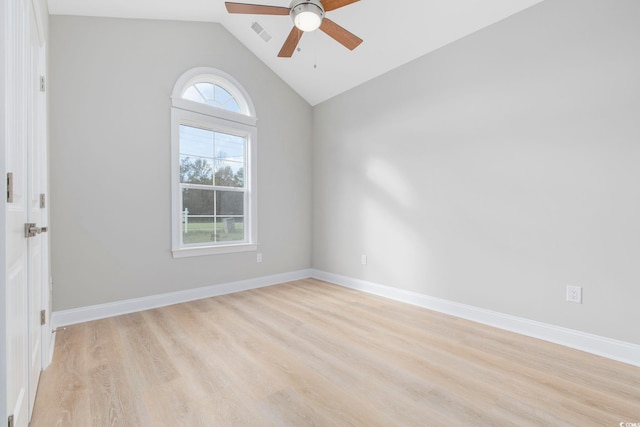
(363, 259)
(259, 257)
(574, 294)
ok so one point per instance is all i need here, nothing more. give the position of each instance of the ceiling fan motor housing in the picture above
(307, 15)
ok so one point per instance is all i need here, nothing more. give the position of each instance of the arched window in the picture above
(209, 93)
(213, 165)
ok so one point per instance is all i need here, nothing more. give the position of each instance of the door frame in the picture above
(3, 220)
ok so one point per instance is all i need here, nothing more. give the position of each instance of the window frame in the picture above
(191, 113)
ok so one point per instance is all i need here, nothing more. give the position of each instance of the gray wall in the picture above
(110, 83)
(493, 172)
(496, 170)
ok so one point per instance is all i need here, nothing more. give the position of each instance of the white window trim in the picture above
(185, 104)
(185, 112)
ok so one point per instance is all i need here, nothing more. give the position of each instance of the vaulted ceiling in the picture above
(394, 33)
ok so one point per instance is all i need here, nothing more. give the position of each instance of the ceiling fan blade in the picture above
(256, 9)
(290, 43)
(342, 36)
(330, 5)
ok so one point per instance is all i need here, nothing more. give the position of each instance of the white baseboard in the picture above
(103, 311)
(52, 347)
(602, 346)
(613, 349)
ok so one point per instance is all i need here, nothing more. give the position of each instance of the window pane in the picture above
(197, 216)
(232, 105)
(197, 165)
(229, 163)
(229, 174)
(210, 94)
(196, 142)
(230, 229)
(229, 203)
(221, 95)
(196, 170)
(212, 216)
(192, 95)
(206, 89)
(198, 230)
(230, 147)
(198, 202)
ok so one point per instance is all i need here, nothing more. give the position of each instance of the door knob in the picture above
(31, 230)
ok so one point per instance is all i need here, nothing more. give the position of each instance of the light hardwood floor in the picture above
(311, 353)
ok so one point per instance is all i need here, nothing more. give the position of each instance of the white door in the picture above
(25, 162)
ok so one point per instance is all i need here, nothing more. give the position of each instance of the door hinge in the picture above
(10, 423)
(9, 187)
(43, 317)
(43, 201)
(43, 86)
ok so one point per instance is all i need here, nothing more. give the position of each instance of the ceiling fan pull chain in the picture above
(315, 51)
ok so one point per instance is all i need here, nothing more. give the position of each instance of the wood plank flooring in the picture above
(308, 353)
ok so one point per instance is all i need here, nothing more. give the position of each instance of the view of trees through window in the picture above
(212, 166)
(199, 171)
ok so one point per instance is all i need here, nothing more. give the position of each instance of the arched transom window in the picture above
(211, 94)
(213, 173)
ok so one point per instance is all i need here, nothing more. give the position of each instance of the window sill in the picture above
(214, 250)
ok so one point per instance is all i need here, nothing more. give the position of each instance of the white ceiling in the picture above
(394, 33)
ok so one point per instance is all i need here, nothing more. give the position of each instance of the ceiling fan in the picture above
(307, 15)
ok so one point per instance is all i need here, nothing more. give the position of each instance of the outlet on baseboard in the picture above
(574, 294)
(363, 259)
(259, 257)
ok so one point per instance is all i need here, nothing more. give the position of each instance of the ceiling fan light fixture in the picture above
(307, 15)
